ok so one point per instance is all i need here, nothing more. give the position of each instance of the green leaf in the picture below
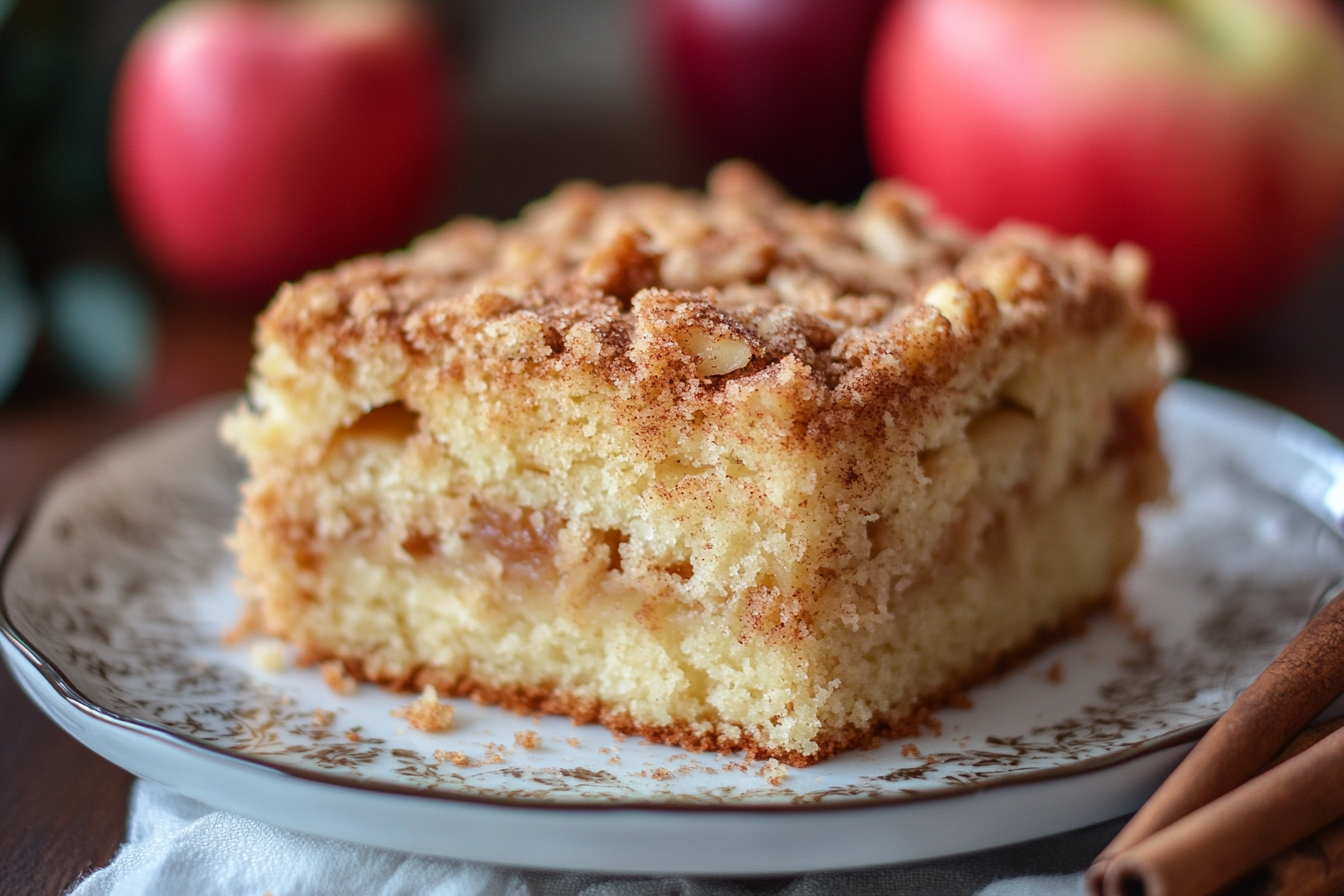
(103, 328)
(19, 319)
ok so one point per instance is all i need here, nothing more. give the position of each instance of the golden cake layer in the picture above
(721, 469)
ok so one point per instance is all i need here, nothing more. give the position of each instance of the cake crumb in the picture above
(323, 717)
(1055, 674)
(267, 655)
(528, 740)
(661, 774)
(353, 735)
(615, 760)
(427, 712)
(336, 677)
(910, 751)
(773, 772)
(248, 624)
(573, 742)
(456, 758)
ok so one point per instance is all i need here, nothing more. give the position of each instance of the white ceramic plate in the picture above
(117, 587)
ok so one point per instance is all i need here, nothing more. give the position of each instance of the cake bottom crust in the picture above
(528, 699)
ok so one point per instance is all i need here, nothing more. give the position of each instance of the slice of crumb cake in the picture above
(724, 470)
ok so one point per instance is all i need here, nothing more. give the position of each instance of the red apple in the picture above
(777, 81)
(1210, 132)
(253, 141)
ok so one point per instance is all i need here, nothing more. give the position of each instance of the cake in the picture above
(720, 469)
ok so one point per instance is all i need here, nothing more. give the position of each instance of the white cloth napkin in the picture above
(176, 846)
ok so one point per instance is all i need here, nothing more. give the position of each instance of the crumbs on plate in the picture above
(267, 655)
(456, 758)
(773, 771)
(338, 678)
(427, 712)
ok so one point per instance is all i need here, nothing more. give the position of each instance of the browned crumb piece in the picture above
(615, 760)
(661, 774)
(336, 677)
(495, 753)
(528, 740)
(353, 735)
(1055, 674)
(573, 742)
(323, 717)
(427, 712)
(773, 771)
(248, 624)
(910, 751)
(458, 759)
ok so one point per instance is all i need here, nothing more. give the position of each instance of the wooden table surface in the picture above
(62, 808)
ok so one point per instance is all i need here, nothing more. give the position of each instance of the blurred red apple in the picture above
(777, 81)
(253, 141)
(1209, 131)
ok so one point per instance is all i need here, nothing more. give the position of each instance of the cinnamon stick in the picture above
(1301, 681)
(1311, 867)
(1221, 841)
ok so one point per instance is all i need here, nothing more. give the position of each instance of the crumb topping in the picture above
(740, 283)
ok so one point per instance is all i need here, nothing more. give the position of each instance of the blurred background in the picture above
(104, 321)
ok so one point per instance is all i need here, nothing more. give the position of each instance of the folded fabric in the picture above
(175, 846)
